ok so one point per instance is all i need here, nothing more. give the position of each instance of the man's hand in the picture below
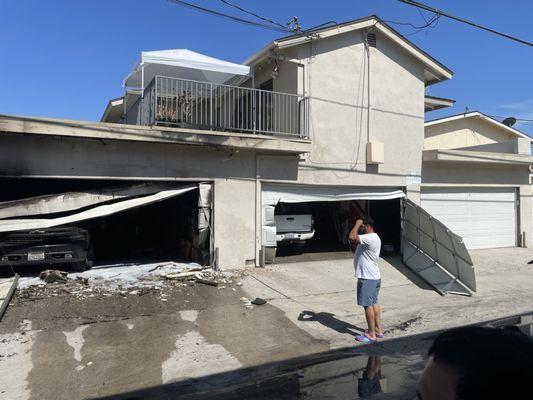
(354, 233)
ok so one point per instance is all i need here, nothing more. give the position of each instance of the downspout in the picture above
(258, 213)
(254, 101)
(139, 118)
(367, 48)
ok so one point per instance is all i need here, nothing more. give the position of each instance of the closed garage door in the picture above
(484, 218)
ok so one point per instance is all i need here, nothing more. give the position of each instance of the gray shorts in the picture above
(367, 291)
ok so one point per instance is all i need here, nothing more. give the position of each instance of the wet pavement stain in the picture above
(256, 335)
(114, 358)
(51, 357)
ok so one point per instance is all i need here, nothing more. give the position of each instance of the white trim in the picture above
(475, 156)
(467, 185)
(272, 194)
(477, 114)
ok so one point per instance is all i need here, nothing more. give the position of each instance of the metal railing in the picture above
(201, 105)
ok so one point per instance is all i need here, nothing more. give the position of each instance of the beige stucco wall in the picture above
(526, 213)
(234, 222)
(334, 76)
(464, 132)
(451, 173)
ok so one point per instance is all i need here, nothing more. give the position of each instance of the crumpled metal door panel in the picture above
(435, 253)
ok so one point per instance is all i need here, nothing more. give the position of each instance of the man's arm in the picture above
(354, 233)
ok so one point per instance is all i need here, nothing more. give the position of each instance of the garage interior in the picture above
(333, 221)
(173, 229)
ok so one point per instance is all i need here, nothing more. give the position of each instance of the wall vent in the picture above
(371, 39)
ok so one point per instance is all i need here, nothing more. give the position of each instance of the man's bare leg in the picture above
(371, 322)
(377, 318)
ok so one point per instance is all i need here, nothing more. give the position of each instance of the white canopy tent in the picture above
(183, 64)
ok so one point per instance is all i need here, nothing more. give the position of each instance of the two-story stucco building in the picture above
(322, 122)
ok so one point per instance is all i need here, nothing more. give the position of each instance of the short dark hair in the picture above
(368, 220)
(492, 363)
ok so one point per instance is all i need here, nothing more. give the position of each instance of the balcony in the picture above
(184, 103)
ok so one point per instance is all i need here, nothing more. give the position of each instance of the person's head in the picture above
(477, 363)
(368, 224)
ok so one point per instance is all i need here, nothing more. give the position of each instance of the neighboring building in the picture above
(476, 179)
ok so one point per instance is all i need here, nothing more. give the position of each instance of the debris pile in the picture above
(51, 276)
(125, 280)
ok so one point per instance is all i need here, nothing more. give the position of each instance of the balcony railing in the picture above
(192, 104)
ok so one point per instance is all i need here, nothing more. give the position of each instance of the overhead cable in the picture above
(254, 14)
(230, 17)
(464, 21)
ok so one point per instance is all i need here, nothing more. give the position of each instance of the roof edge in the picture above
(370, 21)
(477, 114)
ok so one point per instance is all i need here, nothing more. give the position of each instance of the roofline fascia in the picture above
(477, 114)
(109, 107)
(434, 155)
(369, 22)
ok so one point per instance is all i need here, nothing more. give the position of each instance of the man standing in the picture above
(368, 276)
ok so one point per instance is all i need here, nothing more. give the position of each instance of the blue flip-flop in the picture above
(365, 339)
(378, 335)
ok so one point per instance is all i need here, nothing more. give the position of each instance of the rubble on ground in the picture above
(51, 276)
(124, 280)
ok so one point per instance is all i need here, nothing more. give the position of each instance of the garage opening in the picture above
(330, 224)
(322, 217)
(313, 223)
(102, 222)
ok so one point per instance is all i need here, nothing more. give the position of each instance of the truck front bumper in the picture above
(294, 237)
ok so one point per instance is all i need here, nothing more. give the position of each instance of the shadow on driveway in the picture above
(329, 321)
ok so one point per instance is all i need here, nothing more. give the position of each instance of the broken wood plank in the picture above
(7, 288)
(207, 282)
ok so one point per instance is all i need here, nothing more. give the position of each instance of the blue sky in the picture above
(66, 59)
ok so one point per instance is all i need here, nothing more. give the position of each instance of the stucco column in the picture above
(234, 222)
(526, 214)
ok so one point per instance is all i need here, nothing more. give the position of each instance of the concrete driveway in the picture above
(66, 348)
(319, 297)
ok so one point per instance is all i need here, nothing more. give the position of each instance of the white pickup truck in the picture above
(294, 228)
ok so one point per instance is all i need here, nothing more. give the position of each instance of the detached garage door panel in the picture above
(484, 218)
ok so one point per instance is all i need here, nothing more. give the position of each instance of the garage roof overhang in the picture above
(114, 110)
(10, 124)
(476, 157)
(432, 103)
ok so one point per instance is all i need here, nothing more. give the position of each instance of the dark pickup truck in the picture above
(49, 246)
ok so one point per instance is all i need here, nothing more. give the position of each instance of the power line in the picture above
(464, 21)
(253, 14)
(427, 24)
(518, 119)
(230, 17)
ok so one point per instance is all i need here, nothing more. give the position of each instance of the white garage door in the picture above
(484, 218)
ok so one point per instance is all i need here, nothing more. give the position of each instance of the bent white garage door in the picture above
(484, 218)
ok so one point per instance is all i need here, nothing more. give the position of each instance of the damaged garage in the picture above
(318, 219)
(80, 223)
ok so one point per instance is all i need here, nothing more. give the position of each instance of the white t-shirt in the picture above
(366, 257)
